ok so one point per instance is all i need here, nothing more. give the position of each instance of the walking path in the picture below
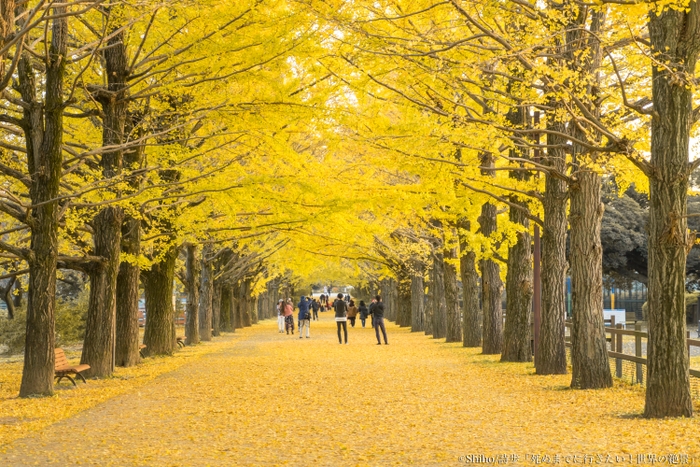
(274, 399)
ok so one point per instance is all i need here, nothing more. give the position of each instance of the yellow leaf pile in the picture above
(265, 398)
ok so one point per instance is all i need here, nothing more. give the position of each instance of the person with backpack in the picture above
(341, 311)
(304, 317)
(377, 311)
(364, 312)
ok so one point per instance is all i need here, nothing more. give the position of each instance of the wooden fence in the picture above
(616, 333)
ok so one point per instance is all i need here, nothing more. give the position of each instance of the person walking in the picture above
(280, 315)
(304, 317)
(289, 316)
(377, 311)
(341, 311)
(364, 312)
(374, 300)
(352, 313)
(315, 306)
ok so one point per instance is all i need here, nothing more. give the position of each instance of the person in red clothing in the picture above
(289, 316)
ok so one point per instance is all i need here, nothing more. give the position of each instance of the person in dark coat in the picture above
(377, 311)
(341, 319)
(364, 312)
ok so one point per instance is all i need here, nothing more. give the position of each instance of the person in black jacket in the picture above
(341, 313)
(377, 311)
(364, 312)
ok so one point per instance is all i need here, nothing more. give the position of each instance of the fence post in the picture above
(638, 350)
(618, 349)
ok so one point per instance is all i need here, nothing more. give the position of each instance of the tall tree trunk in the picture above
(100, 327)
(206, 289)
(159, 336)
(404, 303)
(216, 310)
(417, 298)
(491, 287)
(43, 139)
(453, 316)
(245, 302)
(551, 352)
(193, 272)
(516, 337)
(471, 330)
(127, 338)
(430, 303)
(238, 310)
(439, 302)
(226, 307)
(675, 34)
(589, 354)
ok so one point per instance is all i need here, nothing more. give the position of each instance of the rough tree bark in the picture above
(516, 336)
(206, 292)
(403, 317)
(429, 304)
(471, 330)
(551, 353)
(675, 36)
(100, 326)
(226, 308)
(127, 338)
(216, 310)
(159, 336)
(491, 288)
(439, 302)
(417, 297)
(589, 353)
(453, 332)
(43, 127)
(245, 303)
(193, 266)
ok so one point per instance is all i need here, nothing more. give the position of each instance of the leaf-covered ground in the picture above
(271, 399)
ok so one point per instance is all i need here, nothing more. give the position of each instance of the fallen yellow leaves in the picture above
(273, 399)
(20, 417)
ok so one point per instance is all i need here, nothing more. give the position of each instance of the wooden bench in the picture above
(141, 347)
(63, 369)
(180, 341)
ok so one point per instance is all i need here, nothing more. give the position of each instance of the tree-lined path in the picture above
(273, 399)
